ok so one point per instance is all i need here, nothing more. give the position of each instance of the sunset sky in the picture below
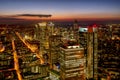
(60, 9)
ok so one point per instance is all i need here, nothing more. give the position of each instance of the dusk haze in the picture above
(61, 9)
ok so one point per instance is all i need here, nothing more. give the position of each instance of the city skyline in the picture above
(60, 10)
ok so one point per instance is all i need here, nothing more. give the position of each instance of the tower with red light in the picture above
(92, 44)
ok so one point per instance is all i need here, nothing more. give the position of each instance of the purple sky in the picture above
(61, 9)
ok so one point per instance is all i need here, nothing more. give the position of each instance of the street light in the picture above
(2, 47)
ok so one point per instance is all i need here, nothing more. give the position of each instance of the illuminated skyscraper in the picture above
(88, 39)
(92, 52)
(72, 63)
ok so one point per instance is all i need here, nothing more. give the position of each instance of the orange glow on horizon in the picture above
(67, 17)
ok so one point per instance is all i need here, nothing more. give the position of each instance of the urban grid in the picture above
(49, 49)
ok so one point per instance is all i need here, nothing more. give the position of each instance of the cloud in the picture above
(34, 15)
(24, 15)
(21, 17)
(9, 18)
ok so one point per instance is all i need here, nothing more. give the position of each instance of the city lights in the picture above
(59, 40)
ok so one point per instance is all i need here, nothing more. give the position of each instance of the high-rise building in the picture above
(72, 63)
(92, 49)
(54, 41)
(88, 39)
